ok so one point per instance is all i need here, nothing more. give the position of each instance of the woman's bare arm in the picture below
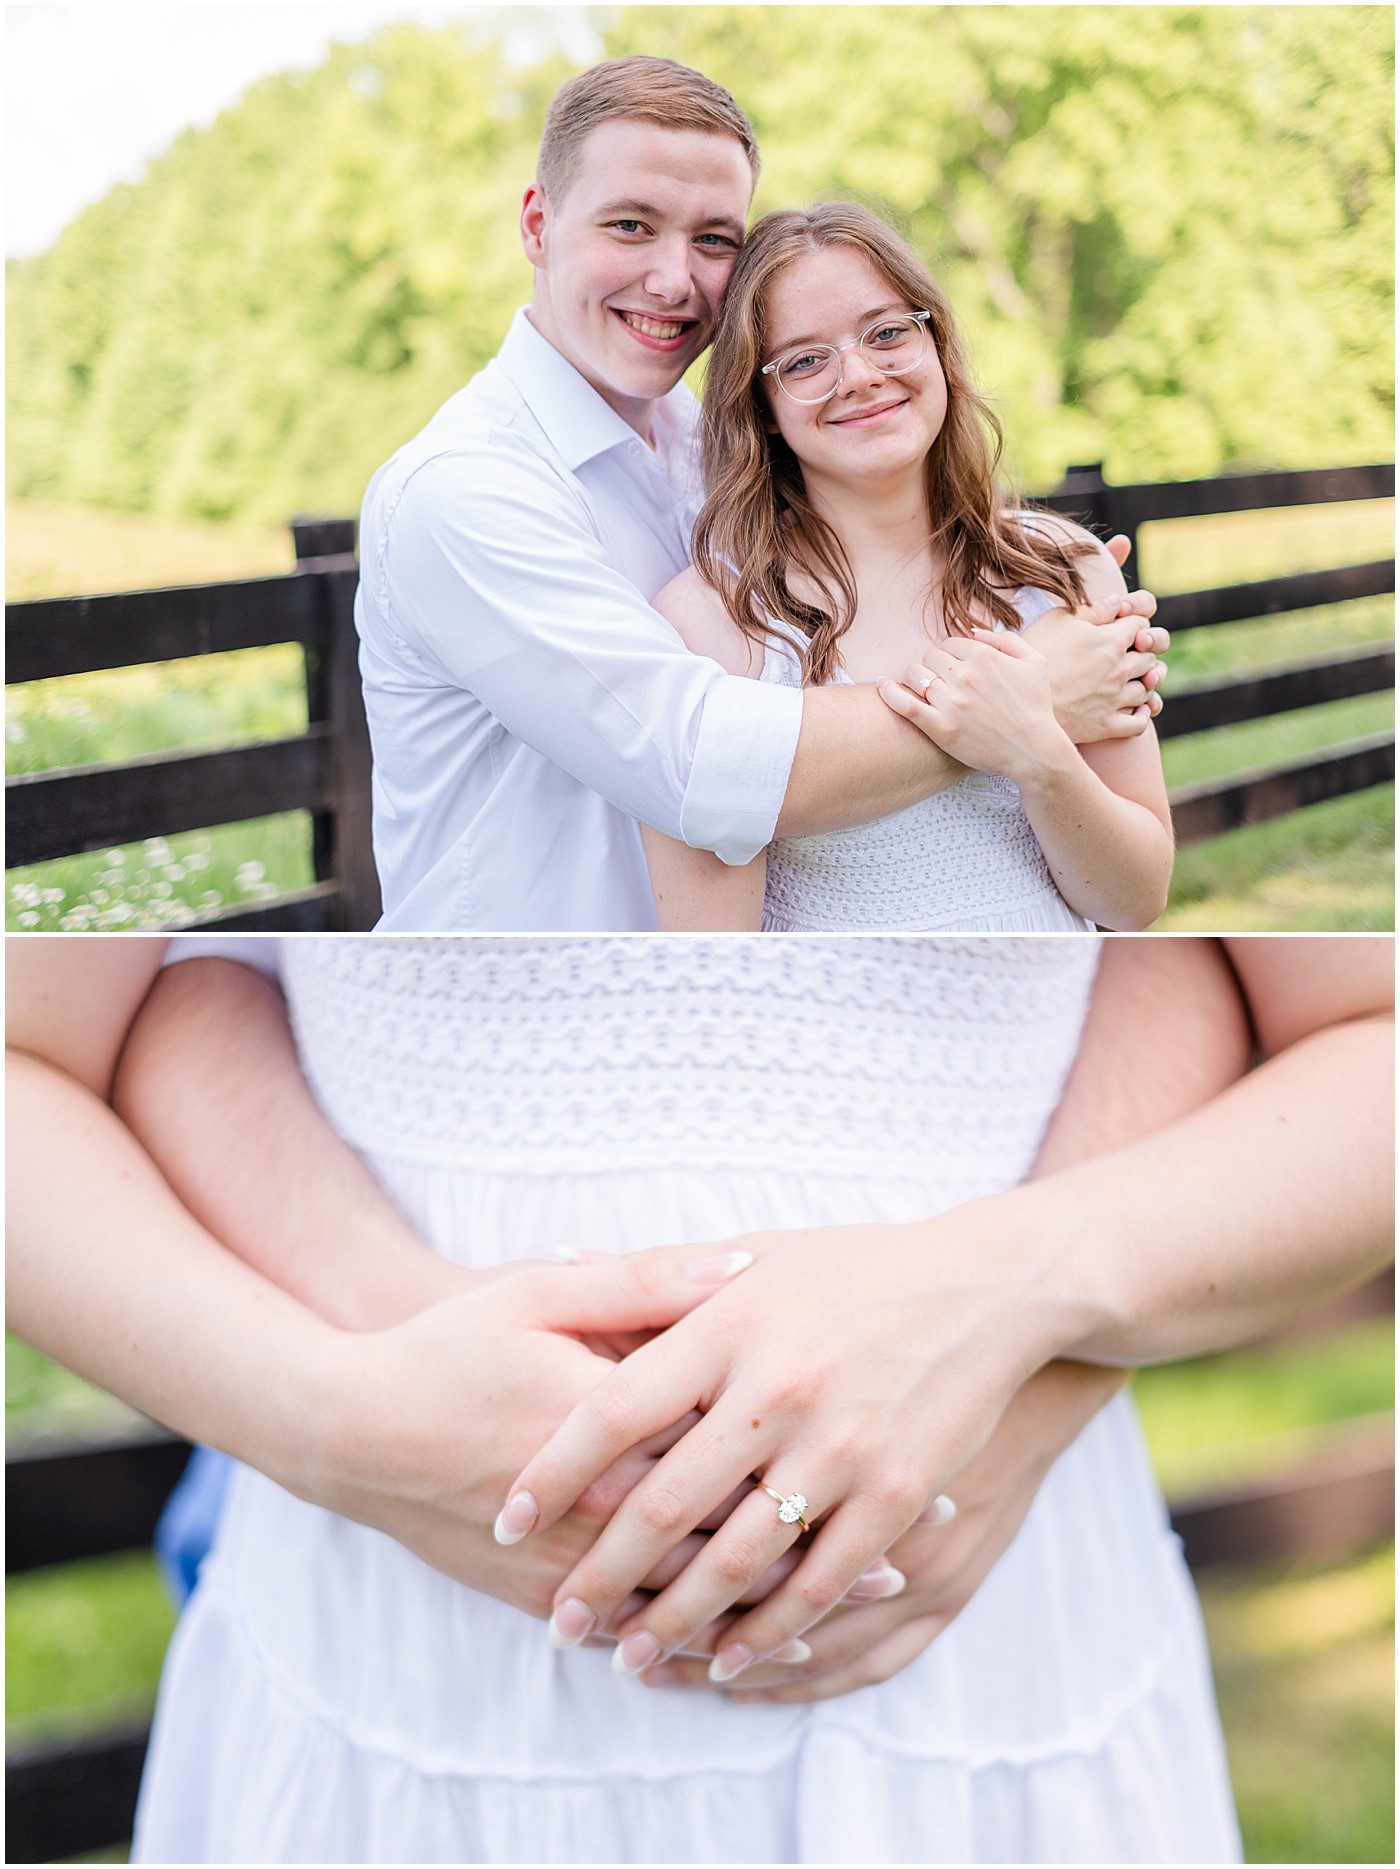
(407, 1428)
(879, 1359)
(1099, 810)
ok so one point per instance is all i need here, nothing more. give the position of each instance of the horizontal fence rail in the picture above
(326, 771)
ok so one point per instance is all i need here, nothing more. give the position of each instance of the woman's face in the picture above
(876, 426)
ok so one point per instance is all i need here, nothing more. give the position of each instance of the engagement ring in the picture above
(792, 1510)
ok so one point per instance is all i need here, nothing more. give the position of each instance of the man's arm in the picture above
(209, 1084)
(491, 577)
(406, 1428)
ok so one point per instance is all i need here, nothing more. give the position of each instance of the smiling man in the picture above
(527, 706)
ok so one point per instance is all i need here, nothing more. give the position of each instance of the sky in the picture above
(93, 92)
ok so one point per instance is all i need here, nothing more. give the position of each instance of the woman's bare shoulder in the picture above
(1099, 570)
(696, 612)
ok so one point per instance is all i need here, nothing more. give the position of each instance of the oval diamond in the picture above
(793, 1508)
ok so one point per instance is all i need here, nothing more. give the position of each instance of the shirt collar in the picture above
(578, 423)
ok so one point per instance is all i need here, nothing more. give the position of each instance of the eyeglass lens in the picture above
(812, 374)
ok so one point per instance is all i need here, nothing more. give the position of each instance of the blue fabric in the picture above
(186, 1528)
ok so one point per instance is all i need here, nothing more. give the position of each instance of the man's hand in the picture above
(429, 1420)
(1098, 676)
(1054, 639)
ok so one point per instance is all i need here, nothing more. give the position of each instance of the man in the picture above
(526, 704)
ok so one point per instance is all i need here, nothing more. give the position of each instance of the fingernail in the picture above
(791, 1653)
(939, 1513)
(633, 1654)
(730, 1661)
(569, 1254)
(570, 1623)
(715, 1270)
(518, 1516)
(880, 1580)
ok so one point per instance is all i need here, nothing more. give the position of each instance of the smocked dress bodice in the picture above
(964, 860)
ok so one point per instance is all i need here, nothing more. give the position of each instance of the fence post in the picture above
(1086, 486)
(341, 843)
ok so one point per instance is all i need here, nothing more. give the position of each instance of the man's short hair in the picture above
(647, 90)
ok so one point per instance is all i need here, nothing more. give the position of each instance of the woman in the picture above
(853, 528)
(331, 1696)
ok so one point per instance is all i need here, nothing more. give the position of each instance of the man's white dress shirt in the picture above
(526, 704)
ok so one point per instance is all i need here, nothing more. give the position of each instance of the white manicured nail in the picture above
(570, 1623)
(517, 1517)
(633, 1654)
(881, 1580)
(729, 1662)
(939, 1513)
(715, 1270)
(791, 1653)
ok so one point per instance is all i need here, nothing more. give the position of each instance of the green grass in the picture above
(72, 551)
(1220, 750)
(216, 700)
(1228, 1418)
(163, 883)
(83, 1646)
(1328, 868)
(1304, 1669)
(1241, 548)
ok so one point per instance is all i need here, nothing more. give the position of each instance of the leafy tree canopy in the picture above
(1167, 231)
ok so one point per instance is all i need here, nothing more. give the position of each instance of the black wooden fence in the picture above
(326, 769)
(65, 1502)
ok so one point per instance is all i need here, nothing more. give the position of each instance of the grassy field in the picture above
(1330, 867)
(1303, 1654)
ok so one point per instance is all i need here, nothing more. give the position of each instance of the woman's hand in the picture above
(866, 1365)
(943, 1567)
(986, 699)
(429, 1419)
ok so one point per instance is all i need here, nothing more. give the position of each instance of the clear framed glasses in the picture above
(892, 345)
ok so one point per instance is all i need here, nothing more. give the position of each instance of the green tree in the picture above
(1167, 231)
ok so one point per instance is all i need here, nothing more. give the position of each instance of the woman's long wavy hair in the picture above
(757, 526)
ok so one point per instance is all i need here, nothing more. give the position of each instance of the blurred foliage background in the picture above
(1168, 231)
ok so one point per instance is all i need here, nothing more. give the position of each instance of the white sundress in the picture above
(329, 1697)
(964, 860)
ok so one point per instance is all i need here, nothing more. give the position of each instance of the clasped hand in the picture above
(865, 1366)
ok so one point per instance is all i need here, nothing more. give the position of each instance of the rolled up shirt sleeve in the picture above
(492, 577)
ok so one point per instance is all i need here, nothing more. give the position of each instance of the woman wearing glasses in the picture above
(854, 528)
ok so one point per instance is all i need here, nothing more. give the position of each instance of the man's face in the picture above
(631, 264)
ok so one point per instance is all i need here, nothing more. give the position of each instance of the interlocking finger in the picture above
(640, 1398)
(849, 1541)
(880, 1662)
(683, 1488)
(735, 1559)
